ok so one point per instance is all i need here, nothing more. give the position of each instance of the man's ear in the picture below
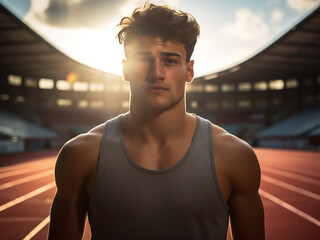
(125, 70)
(190, 71)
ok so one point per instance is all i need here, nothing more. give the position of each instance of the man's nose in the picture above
(157, 70)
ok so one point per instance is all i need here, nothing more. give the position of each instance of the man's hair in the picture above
(160, 21)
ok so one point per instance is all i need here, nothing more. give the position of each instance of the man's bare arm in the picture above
(246, 209)
(73, 173)
(69, 206)
(67, 219)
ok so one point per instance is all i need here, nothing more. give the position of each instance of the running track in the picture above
(289, 189)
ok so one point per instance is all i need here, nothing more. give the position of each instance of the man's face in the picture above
(157, 72)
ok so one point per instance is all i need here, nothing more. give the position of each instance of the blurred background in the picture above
(257, 66)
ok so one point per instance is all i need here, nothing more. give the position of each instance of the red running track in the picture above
(289, 189)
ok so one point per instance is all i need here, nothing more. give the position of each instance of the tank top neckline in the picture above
(152, 171)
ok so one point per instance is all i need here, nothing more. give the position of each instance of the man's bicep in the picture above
(65, 171)
(58, 217)
(69, 206)
(70, 176)
(70, 172)
(246, 209)
(247, 217)
(66, 219)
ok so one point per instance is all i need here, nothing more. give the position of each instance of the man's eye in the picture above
(170, 61)
(146, 60)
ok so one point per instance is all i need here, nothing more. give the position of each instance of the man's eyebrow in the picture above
(166, 54)
(171, 54)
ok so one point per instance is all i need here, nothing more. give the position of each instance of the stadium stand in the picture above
(292, 132)
(20, 135)
(269, 100)
(315, 132)
(72, 122)
(16, 127)
(296, 125)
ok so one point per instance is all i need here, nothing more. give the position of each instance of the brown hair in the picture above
(160, 21)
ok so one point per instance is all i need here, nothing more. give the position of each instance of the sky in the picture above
(231, 31)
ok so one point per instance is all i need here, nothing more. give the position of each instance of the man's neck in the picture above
(157, 126)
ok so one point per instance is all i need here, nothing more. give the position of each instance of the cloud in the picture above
(302, 5)
(276, 15)
(85, 13)
(247, 26)
(76, 13)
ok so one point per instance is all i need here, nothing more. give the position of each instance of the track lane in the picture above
(281, 170)
(288, 213)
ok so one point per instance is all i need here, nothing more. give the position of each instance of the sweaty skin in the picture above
(158, 125)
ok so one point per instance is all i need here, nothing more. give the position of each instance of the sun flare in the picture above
(99, 49)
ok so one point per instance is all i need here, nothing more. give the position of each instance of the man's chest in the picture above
(157, 158)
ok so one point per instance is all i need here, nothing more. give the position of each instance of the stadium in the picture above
(271, 100)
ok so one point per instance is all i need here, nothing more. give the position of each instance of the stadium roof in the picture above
(296, 53)
(23, 52)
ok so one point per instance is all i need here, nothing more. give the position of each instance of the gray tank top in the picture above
(182, 202)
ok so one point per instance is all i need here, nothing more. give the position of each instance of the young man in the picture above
(157, 172)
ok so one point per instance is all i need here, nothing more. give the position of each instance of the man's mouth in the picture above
(157, 88)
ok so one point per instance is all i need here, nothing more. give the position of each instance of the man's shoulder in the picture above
(236, 157)
(227, 141)
(78, 159)
(83, 148)
(231, 149)
(85, 141)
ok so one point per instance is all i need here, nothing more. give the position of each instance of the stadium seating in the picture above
(15, 126)
(315, 132)
(300, 131)
(296, 125)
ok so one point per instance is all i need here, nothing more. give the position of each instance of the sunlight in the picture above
(71, 77)
(39, 6)
(99, 49)
(224, 41)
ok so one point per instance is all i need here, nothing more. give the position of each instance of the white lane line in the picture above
(22, 171)
(37, 228)
(291, 175)
(25, 179)
(289, 207)
(290, 187)
(27, 196)
(27, 164)
(20, 219)
(312, 172)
